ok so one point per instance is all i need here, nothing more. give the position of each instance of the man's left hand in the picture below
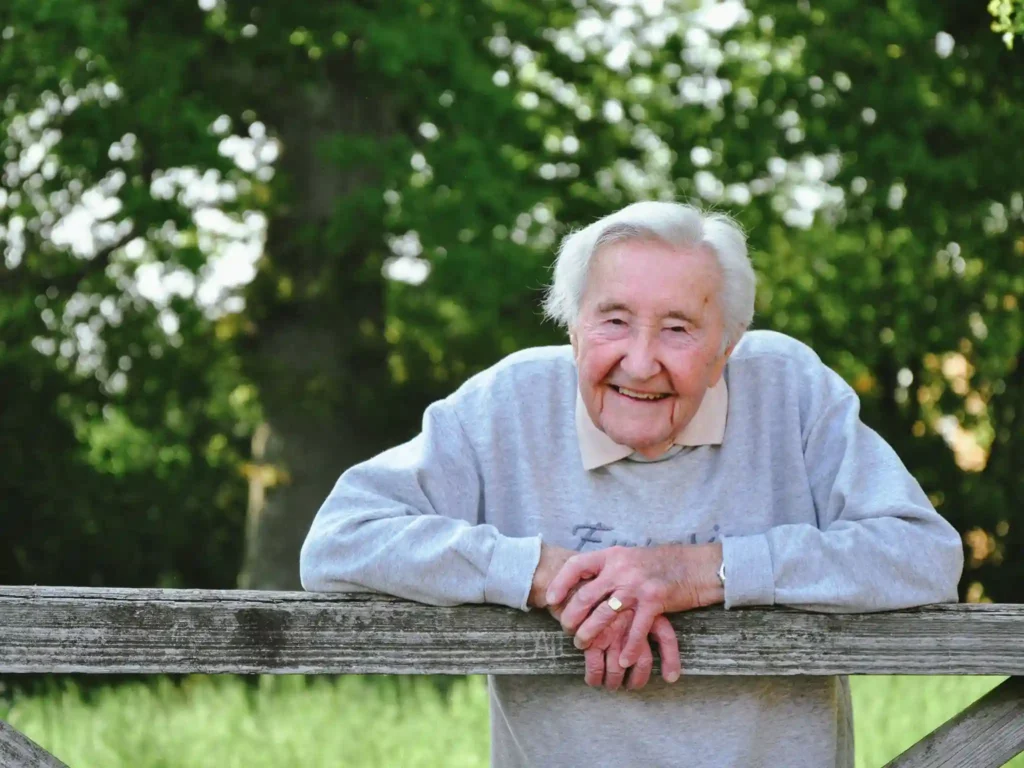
(605, 652)
(649, 580)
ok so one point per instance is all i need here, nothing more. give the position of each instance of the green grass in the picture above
(890, 714)
(355, 721)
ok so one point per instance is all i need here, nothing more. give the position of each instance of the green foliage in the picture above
(364, 722)
(872, 154)
(123, 442)
(1009, 18)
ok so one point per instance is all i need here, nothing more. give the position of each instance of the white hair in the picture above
(678, 225)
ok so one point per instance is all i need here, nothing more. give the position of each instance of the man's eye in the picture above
(616, 321)
(677, 329)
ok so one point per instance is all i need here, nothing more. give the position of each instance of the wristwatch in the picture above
(721, 573)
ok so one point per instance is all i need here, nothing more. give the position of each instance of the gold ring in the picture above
(615, 604)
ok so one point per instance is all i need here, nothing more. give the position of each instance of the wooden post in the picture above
(155, 631)
(19, 751)
(987, 734)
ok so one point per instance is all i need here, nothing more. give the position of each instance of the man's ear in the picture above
(575, 344)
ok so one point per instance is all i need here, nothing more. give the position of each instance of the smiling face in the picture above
(648, 341)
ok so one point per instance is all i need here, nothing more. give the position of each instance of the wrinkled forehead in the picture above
(651, 278)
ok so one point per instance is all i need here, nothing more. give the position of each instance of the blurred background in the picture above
(246, 242)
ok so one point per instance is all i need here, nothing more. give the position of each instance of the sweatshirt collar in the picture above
(707, 427)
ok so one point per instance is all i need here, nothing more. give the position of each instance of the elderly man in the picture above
(666, 459)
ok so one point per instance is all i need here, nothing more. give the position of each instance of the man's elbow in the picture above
(948, 568)
(311, 572)
(328, 564)
(308, 580)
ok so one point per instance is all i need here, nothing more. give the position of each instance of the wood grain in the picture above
(987, 734)
(53, 629)
(19, 751)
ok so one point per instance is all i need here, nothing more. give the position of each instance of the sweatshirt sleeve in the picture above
(879, 544)
(409, 522)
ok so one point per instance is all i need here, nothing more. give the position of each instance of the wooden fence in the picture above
(61, 630)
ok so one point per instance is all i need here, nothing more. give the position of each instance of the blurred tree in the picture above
(1009, 18)
(911, 287)
(122, 417)
(870, 152)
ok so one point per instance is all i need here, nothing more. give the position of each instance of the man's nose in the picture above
(641, 360)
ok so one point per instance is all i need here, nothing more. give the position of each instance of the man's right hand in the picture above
(602, 657)
(551, 561)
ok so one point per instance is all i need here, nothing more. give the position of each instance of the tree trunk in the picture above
(318, 355)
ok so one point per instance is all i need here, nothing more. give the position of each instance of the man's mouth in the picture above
(633, 394)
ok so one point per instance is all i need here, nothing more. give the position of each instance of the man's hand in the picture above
(651, 581)
(602, 663)
(551, 561)
(602, 657)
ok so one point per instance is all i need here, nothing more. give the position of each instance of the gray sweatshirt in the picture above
(814, 510)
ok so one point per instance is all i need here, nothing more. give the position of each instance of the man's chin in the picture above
(639, 442)
(655, 451)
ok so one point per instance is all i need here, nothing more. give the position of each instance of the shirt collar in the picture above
(707, 427)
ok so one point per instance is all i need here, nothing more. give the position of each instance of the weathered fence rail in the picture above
(59, 630)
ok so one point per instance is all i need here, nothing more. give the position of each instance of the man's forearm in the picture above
(695, 576)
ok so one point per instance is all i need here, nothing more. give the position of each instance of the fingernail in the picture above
(550, 597)
(673, 676)
(624, 661)
(578, 643)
